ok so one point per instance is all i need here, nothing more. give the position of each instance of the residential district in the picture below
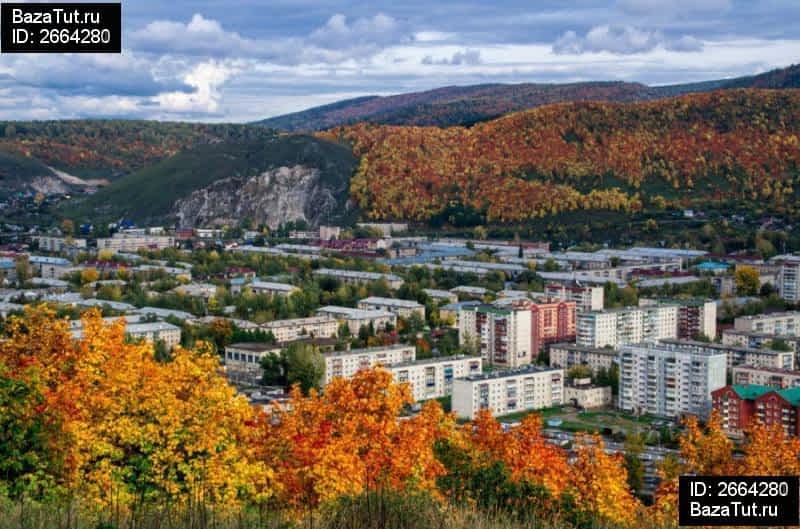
(603, 339)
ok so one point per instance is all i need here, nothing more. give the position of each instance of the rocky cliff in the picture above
(273, 197)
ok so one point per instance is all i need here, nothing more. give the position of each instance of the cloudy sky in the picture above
(242, 60)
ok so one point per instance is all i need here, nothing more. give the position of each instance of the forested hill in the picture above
(466, 105)
(737, 145)
(111, 148)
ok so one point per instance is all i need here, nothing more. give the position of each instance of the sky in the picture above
(244, 60)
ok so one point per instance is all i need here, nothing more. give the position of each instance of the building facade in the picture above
(581, 393)
(357, 318)
(567, 355)
(741, 406)
(613, 328)
(764, 376)
(789, 279)
(132, 242)
(272, 289)
(403, 308)
(586, 298)
(778, 323)
(509, 391)
(345, 364)
(667, 381)
(432, 378)
(502, 336)
(360, 278)
(738, 355)
(315, 326)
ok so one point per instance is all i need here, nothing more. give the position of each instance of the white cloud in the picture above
(621, 40)
(674, 6)
(206, 78)
(465, 57)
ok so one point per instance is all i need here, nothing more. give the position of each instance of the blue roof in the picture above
(7, 264)
(711, 265)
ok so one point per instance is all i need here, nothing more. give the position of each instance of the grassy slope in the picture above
(16, 171)
(150, 193)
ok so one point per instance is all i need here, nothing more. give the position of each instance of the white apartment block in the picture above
(345, 364)
(204, 291)
(778, 323)
(502, 335)
(132, 242)
(617, 327)
(432, 378)
(59, 244)
(290, 330)
(586, 298)
(567, 355)
(50, 267)
(664, 380)
(156, 331)
(789, 279)
(357, 318)
(243, 360)
(403, 308)
(272, 289)
(360, 278)
(739, 355)
(764, 376)
(511, 391)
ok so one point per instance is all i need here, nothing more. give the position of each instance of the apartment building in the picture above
(59, 244)
(509, 391)
(789, 279)
(50, 267)
(441, 295)
(758, 340)
(132, 242)
(315, 326)
(740, 406)
(586, 298)
(567, 355)
(696, 317)
(273, 289)
(502, 335)
(203, 291)
(778, 323)
(360, 278)
(765, 376)
(738, 355)
(357, 318)
(551, 322)
(345, 364)
(432, 378)
(155, 332)
(664, 380)
(403, 308)
(628, 325)
(243, 360)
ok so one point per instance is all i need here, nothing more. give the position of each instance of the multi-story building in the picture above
(345, 364)
(50, 267)
(132, 242)
(567, 355)
(758, 340)
(204, 291)
(357, 318)
(696, 317)
(551, 323)
(509, 391)
(272, 289)
(60, 244)
(778, 323)
(586, 298)
(243, 360)
(503, 336)
(403, 308)
(741, 406)
(617, 327)
(441, 295)
(315, 326)
(159, 331)
(432, 378)
(765, 376)
(738, 355)
(360, 278)
(789, 279)
(663, 380)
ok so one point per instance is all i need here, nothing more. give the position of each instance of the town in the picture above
(626, 342)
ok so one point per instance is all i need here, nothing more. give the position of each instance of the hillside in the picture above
(228, 182)
(111, 148)
(466, 105)
(738, 145)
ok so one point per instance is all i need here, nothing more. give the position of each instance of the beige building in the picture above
(132, 242)
(502, 335)
(59, 244)
(403, 308)
(778, 323)
(510, 391)
(582, 393)
(432, 378)
(567, 355)
(357, 318)
(315, 326)
(739, 355)
(765, 376)
(204, 291)
(345, 364)
(758, 340)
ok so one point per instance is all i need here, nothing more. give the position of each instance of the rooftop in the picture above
(525, 370)
(392, 302)
(349, 312)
